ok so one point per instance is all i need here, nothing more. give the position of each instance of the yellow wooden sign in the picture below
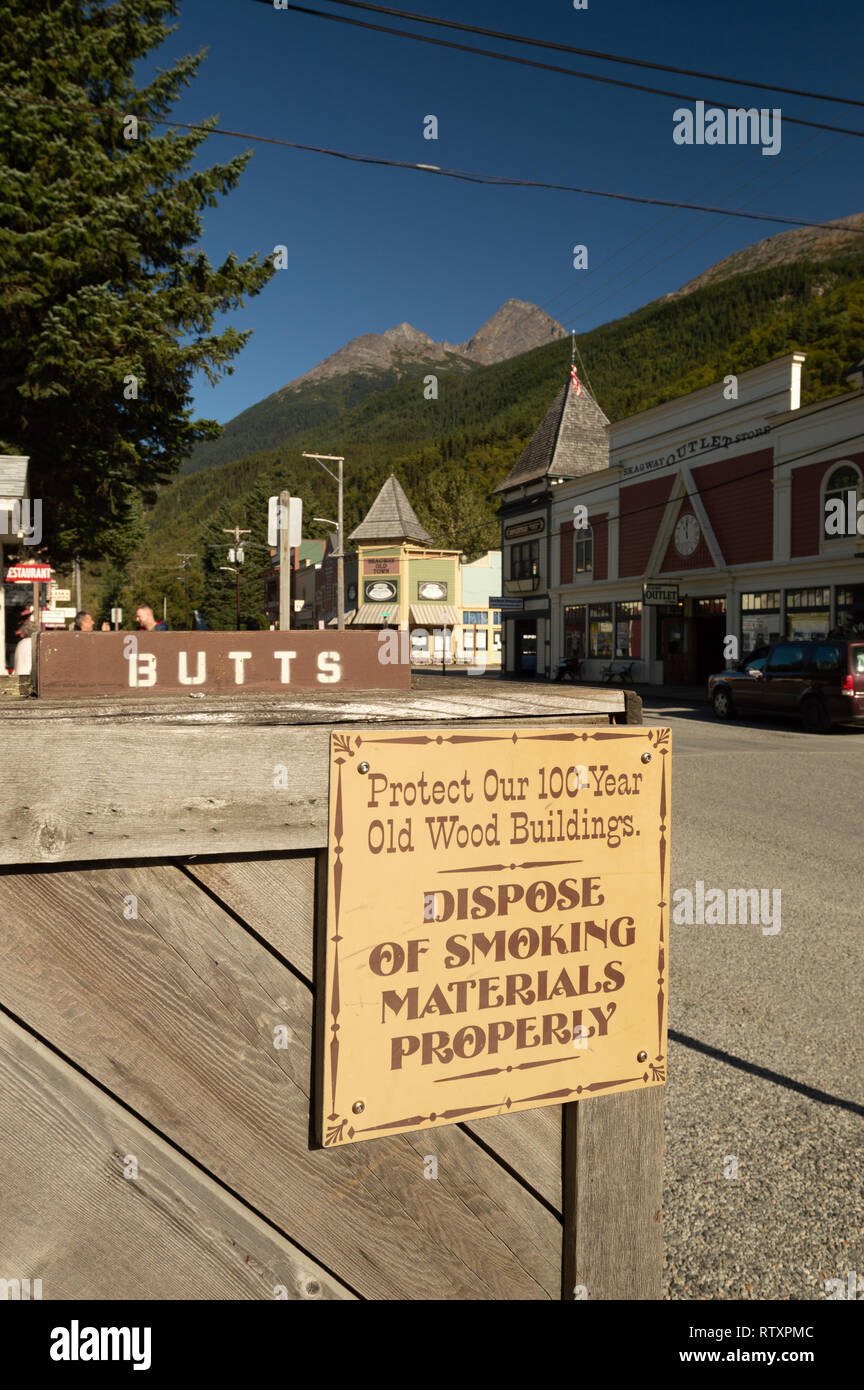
(497, 923)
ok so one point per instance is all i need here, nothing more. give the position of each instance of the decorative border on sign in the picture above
(341, 744)
(660, 740)
(335, 1133)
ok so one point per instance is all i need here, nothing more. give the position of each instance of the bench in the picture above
(623, 670)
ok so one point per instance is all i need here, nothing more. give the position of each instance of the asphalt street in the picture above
(766, 1052)
(766, 1063)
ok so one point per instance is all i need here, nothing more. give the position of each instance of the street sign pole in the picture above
(340, 560)
(323, 460)
(284, 562)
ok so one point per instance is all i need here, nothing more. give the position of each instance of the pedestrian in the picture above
(23, 664)
(83, 622)
(104, 627)
(146, 619)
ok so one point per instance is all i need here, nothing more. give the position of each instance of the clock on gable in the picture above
(688, 534)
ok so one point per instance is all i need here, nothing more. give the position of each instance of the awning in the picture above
(434, 615)
(376, 615)
(349, 618)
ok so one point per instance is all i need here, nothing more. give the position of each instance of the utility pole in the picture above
(184, 565)
(235, 555)
(77, 585)
(340, 546)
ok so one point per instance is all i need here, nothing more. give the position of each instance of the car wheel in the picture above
(815, 716)
(722, 702)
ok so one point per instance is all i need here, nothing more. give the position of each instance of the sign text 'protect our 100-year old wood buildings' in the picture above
(497, 923)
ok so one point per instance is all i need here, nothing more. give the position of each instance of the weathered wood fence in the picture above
(162, 882)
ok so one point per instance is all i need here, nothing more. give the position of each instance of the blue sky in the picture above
(370, 247)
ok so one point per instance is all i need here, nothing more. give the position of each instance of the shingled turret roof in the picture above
(391, 518)
(570, 440)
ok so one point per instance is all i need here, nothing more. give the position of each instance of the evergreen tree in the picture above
(109, 305)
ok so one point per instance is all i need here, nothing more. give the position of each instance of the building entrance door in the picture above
(676, 650)
(526, 648)
(710, 632)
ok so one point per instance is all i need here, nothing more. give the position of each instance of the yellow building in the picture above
(405, 583)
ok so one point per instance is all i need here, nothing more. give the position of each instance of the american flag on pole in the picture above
(577, 385)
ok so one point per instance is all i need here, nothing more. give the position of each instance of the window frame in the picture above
(827, 492)
(583, 545)
(521, 566)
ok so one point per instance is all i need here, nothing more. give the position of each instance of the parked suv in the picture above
(822, 682)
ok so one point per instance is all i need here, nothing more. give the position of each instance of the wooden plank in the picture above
(315, 707)
(175, 1012)
(72, 1218)
(529, 1142)
(124, 664)
(126, 789)
(613, 1196)
(276, 897)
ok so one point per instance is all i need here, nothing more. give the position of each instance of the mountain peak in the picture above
(514, 328)
(407, 333)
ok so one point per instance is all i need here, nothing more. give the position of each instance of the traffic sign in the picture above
(294, 521)
(61, 595)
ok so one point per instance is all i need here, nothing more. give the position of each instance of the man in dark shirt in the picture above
(145, 619)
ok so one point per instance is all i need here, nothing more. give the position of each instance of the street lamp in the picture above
(340, 555)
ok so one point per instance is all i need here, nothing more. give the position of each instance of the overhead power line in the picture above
(592, 53)
(545, 67)
(434, 170)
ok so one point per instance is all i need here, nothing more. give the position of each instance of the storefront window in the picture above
(496, 618)
(472, 617)
(760, 619)
(850, 609)
(628, 629)
(711, 606)
(808, 615)
(574, 631)
(600, 629)
(468, 640)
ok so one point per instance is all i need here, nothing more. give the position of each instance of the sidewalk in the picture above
(691, 694)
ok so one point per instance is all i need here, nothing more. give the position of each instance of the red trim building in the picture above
(708, 522)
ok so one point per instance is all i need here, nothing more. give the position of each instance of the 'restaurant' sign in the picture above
(28, 574)
(497, 923)
(187, 663)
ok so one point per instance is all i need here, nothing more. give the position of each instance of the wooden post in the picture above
(613, 1196)
(612, 1182)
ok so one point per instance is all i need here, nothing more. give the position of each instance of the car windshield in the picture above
(756, 663)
